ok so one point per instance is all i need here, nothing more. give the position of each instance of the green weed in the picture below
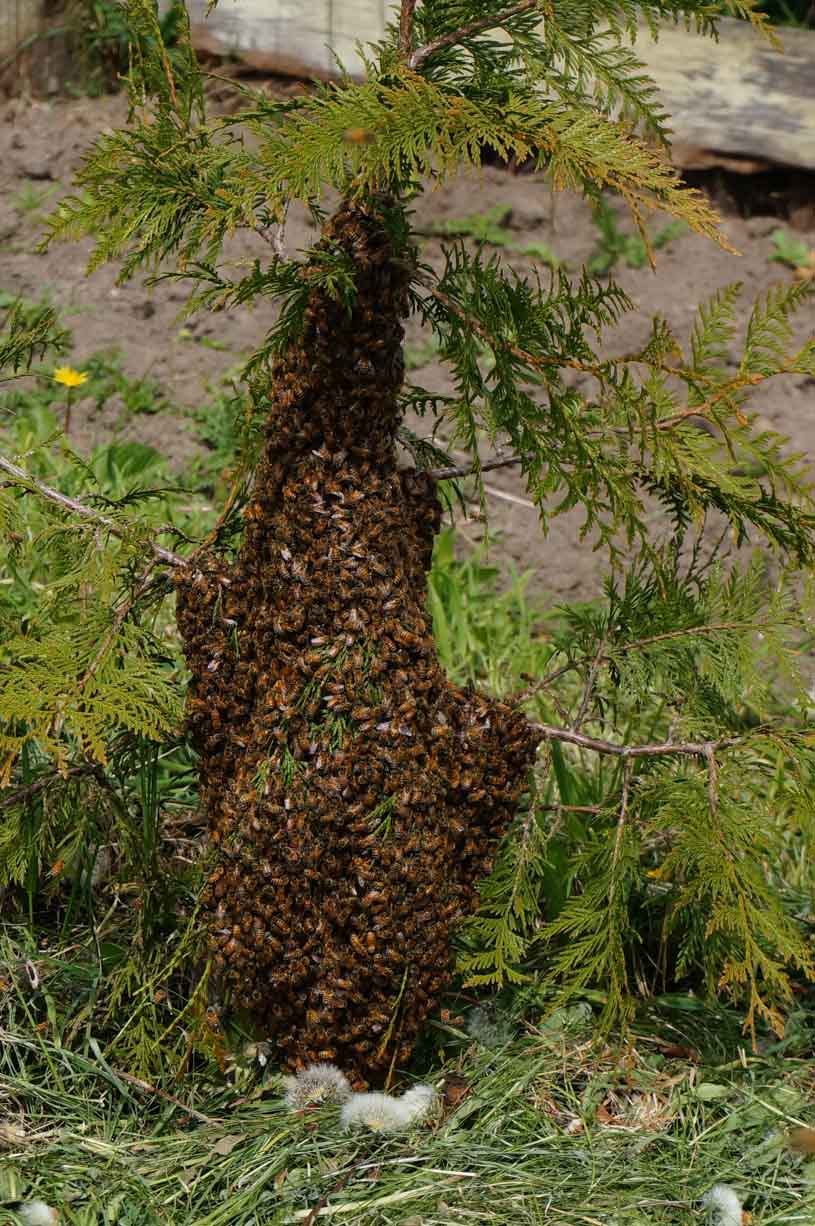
(29, 198)
(490, 229)
(793, 252)
(615, 245)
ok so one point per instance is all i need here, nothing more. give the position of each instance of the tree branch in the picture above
(621, 821)
(79, 508)
(44, 782)
(467, 470)
(538, 363)
(419, 56)
(406, 27)
(688, 749)
(588, 689)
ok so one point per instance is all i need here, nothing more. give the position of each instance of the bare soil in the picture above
(41, 145)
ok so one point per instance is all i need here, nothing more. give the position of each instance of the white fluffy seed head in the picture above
(317, 1084)
(724, 1205)
(36, 1213)
(489, 1027)
(384, 1113)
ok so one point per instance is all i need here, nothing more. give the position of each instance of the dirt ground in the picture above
(42, 143)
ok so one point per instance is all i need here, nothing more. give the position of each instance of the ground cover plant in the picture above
(669, 709)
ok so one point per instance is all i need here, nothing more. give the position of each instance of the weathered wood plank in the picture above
(296, 36)
(19, 19)
(738, 97)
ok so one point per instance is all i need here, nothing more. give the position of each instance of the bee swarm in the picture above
(354, 796)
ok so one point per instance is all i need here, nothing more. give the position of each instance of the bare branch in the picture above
(559, 808)
(419, 56)
(688, 749)
(712, 780)
(468, 470)
(588, 689)
(44, 782)
(147, 1088)
(79, 508)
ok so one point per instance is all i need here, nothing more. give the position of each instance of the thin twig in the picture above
(170, 1098)
(468, 470)
(146, 581)
(419, 56)
(701, 410)
(211, 537)
(44, 781)
(505, 496)
(662, 749)
(79, 508)
(588, 688)
(559, 808)
(712, 780)
(621, 820)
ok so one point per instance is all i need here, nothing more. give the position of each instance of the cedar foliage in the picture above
(667, 787)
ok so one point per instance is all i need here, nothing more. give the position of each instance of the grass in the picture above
(547, 1128)
(794, 253)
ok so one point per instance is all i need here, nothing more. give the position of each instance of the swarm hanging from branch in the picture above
(355, 797)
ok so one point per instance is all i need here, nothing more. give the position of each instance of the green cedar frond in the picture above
(502, 928)
(86, 681)
(769, 329)
(173, 78)
(593, 64)
(153, 191)
(29, 331)
(713, 330)
(747, 10)
(425, 452)
(716, 861)
(594, 936)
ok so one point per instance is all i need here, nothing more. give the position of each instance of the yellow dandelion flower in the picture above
(68, 377)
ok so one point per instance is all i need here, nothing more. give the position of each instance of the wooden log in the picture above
(738, 97)
(290, 36)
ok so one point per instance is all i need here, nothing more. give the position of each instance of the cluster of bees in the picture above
(328, 925)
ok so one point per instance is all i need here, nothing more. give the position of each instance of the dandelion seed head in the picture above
(489, 1028)
(36, 1213)
(316, 1084)
(724, 1205)
(385, 1113)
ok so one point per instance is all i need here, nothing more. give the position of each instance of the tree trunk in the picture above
(354, 796)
